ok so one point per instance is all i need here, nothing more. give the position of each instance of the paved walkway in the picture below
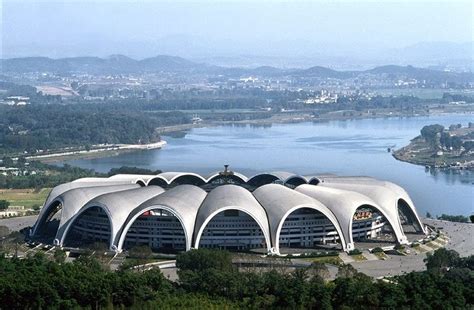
(369, 256)
(346, 258)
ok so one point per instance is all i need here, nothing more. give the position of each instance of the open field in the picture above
(64, 91)
(24, 197)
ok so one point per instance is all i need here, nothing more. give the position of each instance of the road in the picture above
(18, 223)
(461, 240)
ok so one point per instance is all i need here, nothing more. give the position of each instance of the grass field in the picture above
(24, 197)
(335, 260)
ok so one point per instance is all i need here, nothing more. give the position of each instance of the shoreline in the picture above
(99, 152)
(288, 117)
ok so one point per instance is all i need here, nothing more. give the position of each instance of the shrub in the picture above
(355, 252)
(377, 250)
(399, 247)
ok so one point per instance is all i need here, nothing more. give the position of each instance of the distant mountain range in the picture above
(116, 64)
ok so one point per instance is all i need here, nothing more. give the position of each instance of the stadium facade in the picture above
(180, 211)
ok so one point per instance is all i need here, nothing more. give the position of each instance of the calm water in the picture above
(357, 147)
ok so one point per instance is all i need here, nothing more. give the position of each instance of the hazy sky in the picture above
(140, 28)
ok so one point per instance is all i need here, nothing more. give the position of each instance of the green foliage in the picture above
(441, 259)
(355, 252)
(204, 259)
(429, 132)
(454, 218)
(36, 282)
(377, 250)
(4, 231)
(132, 170)
(399, 247)
(59, 256)
(4, 204)
(45, 127)
(472, 218)
(346, 271)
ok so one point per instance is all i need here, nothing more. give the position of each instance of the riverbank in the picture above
(423, 153)
(98, 151)
(285, 117)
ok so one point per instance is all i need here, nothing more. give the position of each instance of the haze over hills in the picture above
(297, 54)
(163, 63)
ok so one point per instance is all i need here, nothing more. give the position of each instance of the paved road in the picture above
(461, 240)
(18, 223)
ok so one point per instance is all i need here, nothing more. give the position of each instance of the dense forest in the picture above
(42, 127)
(208, 279)
(48, 176)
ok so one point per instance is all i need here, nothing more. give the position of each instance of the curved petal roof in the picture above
(183, 201)
(269, 205)
(280, 201)
(228, 197)
(343, 204)
(116, 204)
(381, 192)
(74, 196)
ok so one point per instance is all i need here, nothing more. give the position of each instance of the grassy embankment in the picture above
(24, 197)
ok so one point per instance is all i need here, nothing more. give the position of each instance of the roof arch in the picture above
(76, 216)
(384, 194)
(280, 201)
(132, 178)
(230, 197)
(182, 201)
(73, 196)
(171, 177)
(117, 205)
(270, 177)
(158, 180)
(344, 204)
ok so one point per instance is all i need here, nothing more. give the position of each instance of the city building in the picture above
(274, 212)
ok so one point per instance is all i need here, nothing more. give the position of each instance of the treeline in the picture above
(438, 137)
(132, 170)
(45, 176)
(456, 218)
(12, 89)
(208, 279)
(41, 127)
(48, 176)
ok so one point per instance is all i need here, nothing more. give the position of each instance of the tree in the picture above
(441, 260)
(430, 133)
(346, 271)
(471, 218)
(4, 231)
(59, 256)
(319, 270)
(428, 215)
(4, 204)
(7, 161)
(202, 259)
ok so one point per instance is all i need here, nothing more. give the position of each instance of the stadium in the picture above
(277, 212)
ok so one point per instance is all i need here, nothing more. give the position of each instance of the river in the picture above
(354, 147)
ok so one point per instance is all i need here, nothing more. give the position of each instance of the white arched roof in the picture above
(132, 178)
(280, 201)
(343, 204)
(230, 197)
(182, 201)
(282, 176)
(117, 205)
(385, 194)
(170, 177)
(73, 196)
